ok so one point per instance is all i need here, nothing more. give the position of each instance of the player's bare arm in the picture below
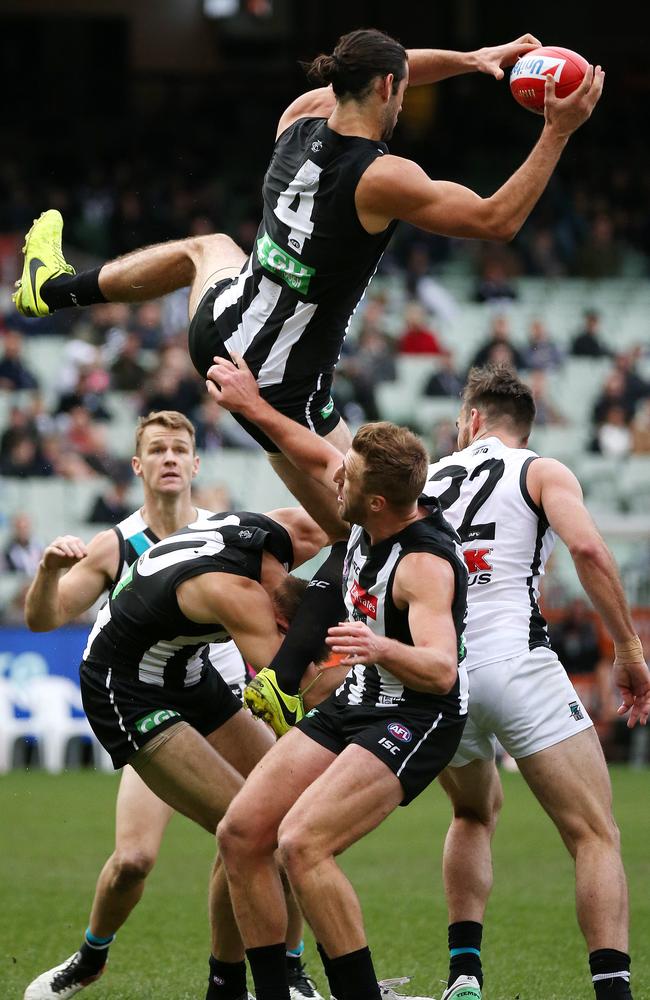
(241, 605)
(70, 578)
(426, 66)
(557, 491)
(234, 387)
(307, 537)
(424, 584)
(395, 188)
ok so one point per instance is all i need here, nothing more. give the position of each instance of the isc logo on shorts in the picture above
(400, 732)
(154, 719)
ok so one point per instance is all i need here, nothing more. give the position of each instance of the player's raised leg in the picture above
(141, 820)
(571, 782)
(476, 798)
(49, 283)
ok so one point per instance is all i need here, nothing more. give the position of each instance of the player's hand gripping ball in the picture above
(529, 75)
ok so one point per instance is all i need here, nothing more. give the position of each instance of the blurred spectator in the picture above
(20, 425)
(640, 429)
(22, 553)
(422, 286)
(601, 254)
(587, 344)
(446, 381)
(88, 393)
(495, 286)
(216, 428)
(14, 373)
(24, 458)
(498, 348)
(148, 323)
(544, 257)
(613, 435)
(541, 352)
(417, 336)
(375, 357)
(547, 414)
(127, 374)
(444, 439)
(112, 506)
(364, 366)
(174, 384)
(613, 393)
(635, 388)
(77, 354)
(575, 639)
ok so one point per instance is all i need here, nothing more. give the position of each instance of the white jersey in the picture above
(135, 537)
(506, 542)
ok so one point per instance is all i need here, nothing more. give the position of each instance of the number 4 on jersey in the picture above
(296, 204)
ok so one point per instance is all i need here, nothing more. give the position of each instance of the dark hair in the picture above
(498, 392)
(395, 460)
(288, 595)
(359, 57)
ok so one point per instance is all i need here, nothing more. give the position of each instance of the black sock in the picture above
(227, 980)
(269, 969)
(69, 290)
(355, 976)
(321, 607)
(465, 950)
(94, 953)
(610, 973)
(335, 986)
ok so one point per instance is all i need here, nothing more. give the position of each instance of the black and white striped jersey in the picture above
(289, 310)
(368, 575)
(141, 632)
(506, 542)
(135, 537)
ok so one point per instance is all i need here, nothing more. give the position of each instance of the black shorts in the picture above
(125, 714)
(308, 401)
(416, 745)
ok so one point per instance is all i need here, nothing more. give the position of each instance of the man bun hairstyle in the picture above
(359, 57)
(395, 460)
(498, 392)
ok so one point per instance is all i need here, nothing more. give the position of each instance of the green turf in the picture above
(56, 832)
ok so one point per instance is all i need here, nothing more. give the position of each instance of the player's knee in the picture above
(297, 849)
(240, 837)
(130, 867)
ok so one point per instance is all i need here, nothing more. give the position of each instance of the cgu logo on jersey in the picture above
(479, 568)
(154, 719)
(294, 274)
(539, 67)
(364, 602)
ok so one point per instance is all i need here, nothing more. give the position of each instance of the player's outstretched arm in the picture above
(395, 188)
(424, 584)
(433, 65)
(233, 386)
(557, 491)
(70, 578)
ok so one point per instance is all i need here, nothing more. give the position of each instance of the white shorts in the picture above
(528, 703)
(226, 658)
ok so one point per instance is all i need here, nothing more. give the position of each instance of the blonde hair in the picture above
(171, 420)
(396, 462)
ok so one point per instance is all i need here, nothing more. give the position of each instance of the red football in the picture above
(529, 74)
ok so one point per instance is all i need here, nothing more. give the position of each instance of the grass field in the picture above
(57, 831)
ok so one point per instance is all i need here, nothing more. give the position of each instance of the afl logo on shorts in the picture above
(400, 732)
